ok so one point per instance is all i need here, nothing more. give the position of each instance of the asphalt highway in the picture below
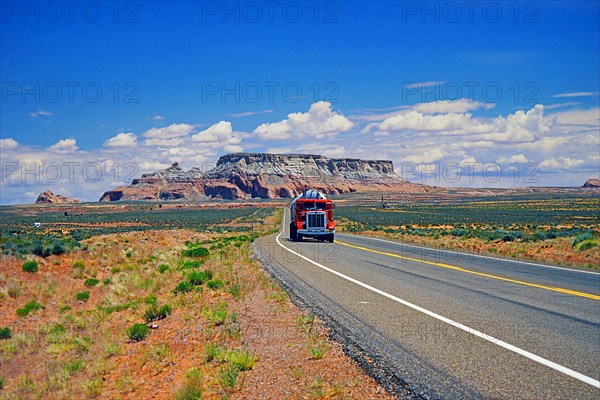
(432, 323)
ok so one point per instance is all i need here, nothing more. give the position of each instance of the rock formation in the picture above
(246, 175)
(592, 183)
(48, 197)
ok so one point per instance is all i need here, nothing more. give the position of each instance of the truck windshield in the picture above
(314, 206)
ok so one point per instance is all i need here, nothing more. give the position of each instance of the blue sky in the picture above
(185, 67)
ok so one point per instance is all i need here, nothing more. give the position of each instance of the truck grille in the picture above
(316, 220)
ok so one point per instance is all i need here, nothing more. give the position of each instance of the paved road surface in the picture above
(439, 324)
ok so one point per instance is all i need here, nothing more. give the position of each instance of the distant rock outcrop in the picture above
(48, 197)
(168, 184)
(246, 175)
(592, 183)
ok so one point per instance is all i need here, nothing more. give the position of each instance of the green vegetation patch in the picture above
(241, 359)
(29, 307)
(118, 307)
(30, 266)
(215, 284)
(83, 296)
(183, 287)
(199, 277)
(186, 264)
(195, 252)
(91, 282)
(154, 313)
(5, 333)
(19, 236)
(138, 332)
(162, 268)
(510, 218)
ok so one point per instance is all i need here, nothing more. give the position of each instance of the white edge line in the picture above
(481, 335)
(475, 255)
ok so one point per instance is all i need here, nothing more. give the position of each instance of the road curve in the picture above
(441, 324)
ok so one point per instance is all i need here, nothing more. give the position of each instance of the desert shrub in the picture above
(243, 360)
(192, 387)
(5, 333)
(83, 296)
(30, 266)
(538, 235)
(58, 249)
(75, 366)
(154, 313)
(586, 245)
(228, 376)
(199, 277)
(138, 332)
(24, 311)
(162, 268)
(195, 252)
(152, 300)
(235, 289)
(191, 264)
(39, 250)
(581, 237)
(215, 284)
(213, 352)
(118, 307)
(91, 282)
(183, 287)
(458, 232)
(217, 315)
(316, 352)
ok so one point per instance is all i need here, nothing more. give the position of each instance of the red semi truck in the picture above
(312, 216)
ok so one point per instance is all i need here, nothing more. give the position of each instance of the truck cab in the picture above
(312, 216)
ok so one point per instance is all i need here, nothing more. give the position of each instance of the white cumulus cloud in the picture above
(562, 163)
(8, 144)
(520, 127)
(122, 140)
(427, 156)
(515, 158)
(171, 135)
(168, 132)
(221, 132)
(419, 122)
(320, 122)
(64, 146)
(451, 106)
(589, 117)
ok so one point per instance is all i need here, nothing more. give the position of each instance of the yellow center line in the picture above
(468, 271)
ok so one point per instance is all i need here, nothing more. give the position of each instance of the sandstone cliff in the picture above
(246, 175)
(592, 183)
(169, 184)
(48, 197)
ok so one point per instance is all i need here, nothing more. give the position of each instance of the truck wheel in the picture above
(299, 237)
(293, 232)
(330, 238)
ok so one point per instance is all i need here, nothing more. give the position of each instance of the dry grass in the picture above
(555, 251)
(215, 343)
